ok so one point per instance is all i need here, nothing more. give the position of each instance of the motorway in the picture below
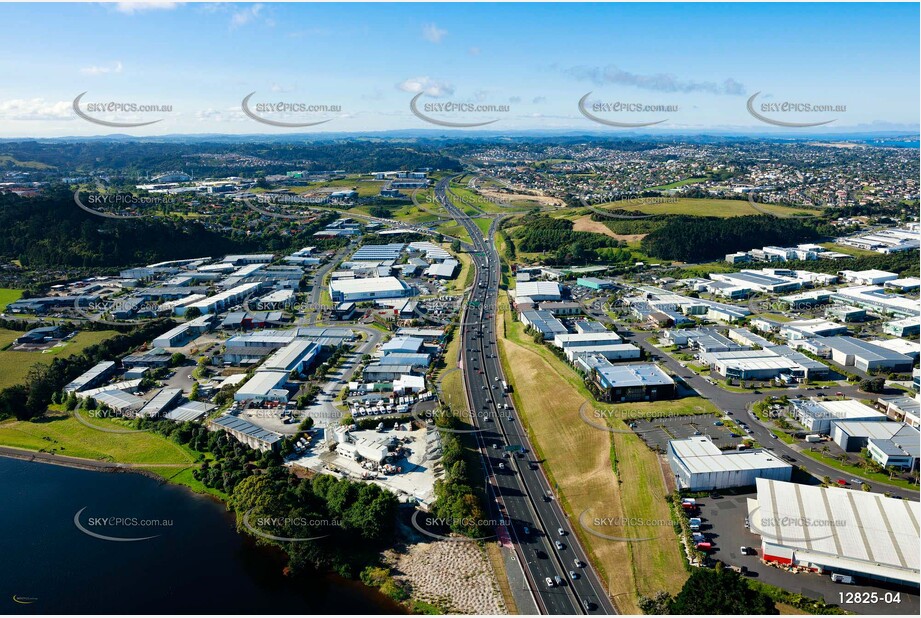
(516, 485)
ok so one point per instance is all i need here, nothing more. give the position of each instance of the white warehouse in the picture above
(356, 290)
(698, 465)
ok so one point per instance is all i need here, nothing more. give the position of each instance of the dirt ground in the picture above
(586, 224)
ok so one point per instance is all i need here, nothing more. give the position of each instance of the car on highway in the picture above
(550, 583)
(558, 545)
(558, 580)
(577, 562)
(561, 532)
(573, 575)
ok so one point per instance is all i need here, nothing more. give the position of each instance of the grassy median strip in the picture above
(577, 456)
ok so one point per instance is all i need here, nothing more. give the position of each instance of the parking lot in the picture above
(657, 432)
(724, 526)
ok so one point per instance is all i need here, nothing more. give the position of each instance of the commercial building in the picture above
(818, 416)
(699, 465)
(611, 351)
(119, 401)
(297, 356)
(264, 386)
(444, 270)
(585, 340)
(631, 382)
(806, 329)
(189, 411)
(904, 409)
(543, 322)
(252, 435)
(765, 364)
(538, 291)
(760, 281)
(371, 288)
(888, 444)
(402, 358)
(908, 284)
(561, 307)
(835, 530)
(402, 345)
(93, 377)
(594, 283)
(165, 399)
(904, 327)
(875, 298)
(221, 301)
(41, 334)
(868, 277)
(851, 352)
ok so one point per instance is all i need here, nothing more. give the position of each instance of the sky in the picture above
(696, 65)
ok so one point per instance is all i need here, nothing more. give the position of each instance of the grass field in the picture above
(59, 432)
(849, 250)
(578, 460)
(483, 224)
(702, 208)
(14, 366)
(454, 229)
(7, 296)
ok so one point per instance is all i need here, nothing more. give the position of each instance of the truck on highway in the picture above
(505, 387)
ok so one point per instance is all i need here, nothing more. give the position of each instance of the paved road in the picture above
(738, 404)
(516, 484)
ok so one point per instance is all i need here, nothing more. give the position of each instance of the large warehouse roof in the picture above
(700, 456)
(538, 289)
(371, 284)
(839, 528)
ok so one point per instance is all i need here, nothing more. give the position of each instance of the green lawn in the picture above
(849, 250)
(7, 296)
(59, 432)
(859, 472)
(701, 208)
(14, 365)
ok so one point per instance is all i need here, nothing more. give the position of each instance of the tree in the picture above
(176, 359)
(873, 385)
(455, 246)
(719, 591)
(192, 313)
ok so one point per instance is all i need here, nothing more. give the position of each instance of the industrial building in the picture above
(851, 352)
(888, 444)
(264, 386)
(162, 402)
(536, 291)
(765, 364)
(816, 327)
(119, 401)
(41, 334)
(856, 533)
(875, 298)
(189, 411)
(903, 327)
(402, 345)
(544, 322)
(699, 465)
(583, 340)
(630, 382)
(594, 283)
(868, 277)
(611, 351)
(297, 356)
(901, 408)
(93, 377)
(818, 416)
(252, 435)
(371, 288)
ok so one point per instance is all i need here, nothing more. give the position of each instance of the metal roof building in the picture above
(830, 529)
(699, 465)
(264, 386)
(99, 372)
(161, 402)
(818, 416)
(848, 351)
(342, 290)
(538, 290)
(296, 356)
(189, 411)
(543, 321)
(120, 401)
(247, 433)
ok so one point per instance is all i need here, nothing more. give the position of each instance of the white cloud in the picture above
(474, 51)
(432, 33)
(36, 109)
(245, 16)
(116, 67)
(130, 8)
(658, 82)
(431, 87)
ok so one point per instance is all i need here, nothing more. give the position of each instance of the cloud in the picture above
(515, 99)
(474, 51)
(130, 8)
(431, 87)
(539, 100)
(246, 15)
(36, 109)
(432, 33)
(116, 67)
(657, 82)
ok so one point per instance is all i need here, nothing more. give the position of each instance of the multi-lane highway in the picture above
(556, 566)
